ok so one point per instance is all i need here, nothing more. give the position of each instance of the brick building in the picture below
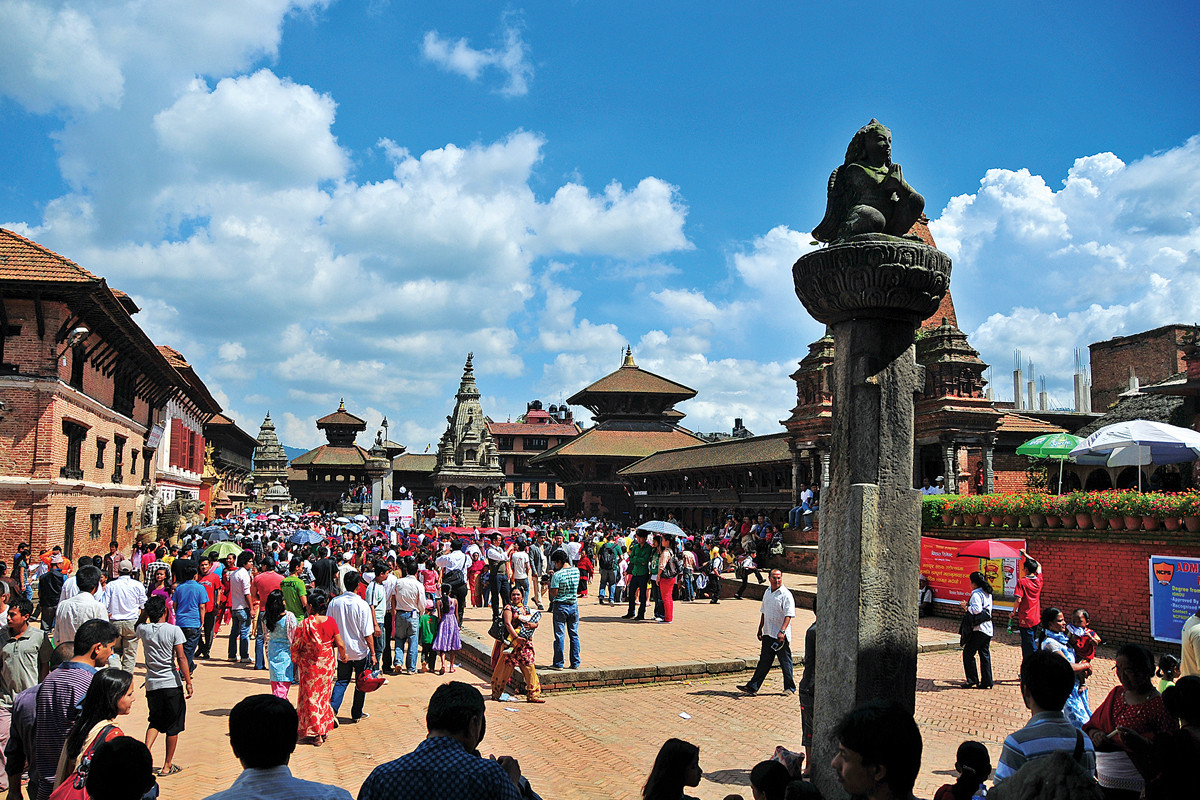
(179, 467)
(533, 487)
(1150, 357)
(81, 386)
(229, 460)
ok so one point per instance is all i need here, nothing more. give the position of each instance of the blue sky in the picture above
(316, 199)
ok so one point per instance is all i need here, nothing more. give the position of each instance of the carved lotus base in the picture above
(872, 276)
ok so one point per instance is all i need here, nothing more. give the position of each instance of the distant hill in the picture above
(292, 452)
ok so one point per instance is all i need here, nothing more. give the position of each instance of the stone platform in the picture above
(705, 640)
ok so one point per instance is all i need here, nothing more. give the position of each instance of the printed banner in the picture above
(948, 574)
(400, 512)
(1174, 595)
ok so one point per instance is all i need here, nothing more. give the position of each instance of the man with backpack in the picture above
(606, 558)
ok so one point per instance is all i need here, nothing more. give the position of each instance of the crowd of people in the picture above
(327, 606)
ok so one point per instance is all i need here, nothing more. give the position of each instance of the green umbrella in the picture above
(222, 549)
(1051, 445)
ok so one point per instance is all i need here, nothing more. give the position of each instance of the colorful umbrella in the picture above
(222, 549)
(1051, 445)
(988, 548)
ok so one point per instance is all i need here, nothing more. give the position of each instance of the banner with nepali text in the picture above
(948, 573)
(1174, 595)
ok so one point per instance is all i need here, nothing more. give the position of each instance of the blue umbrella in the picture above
(305, 536)
(353, 528)
(215, 533)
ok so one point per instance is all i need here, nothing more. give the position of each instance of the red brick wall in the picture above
(1009, 473)
(1105, 572)
(1154, 355)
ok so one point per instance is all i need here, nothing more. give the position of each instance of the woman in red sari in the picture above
(473, 572)
(313, 647)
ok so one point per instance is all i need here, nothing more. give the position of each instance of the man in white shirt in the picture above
(239, 609)
(775, 634)
(344, 568)
(454, 566)
(377, 599)
(573, 548)
(407, 601)
(356, 623)
(939, 485)
(125, 599)
(77, 610)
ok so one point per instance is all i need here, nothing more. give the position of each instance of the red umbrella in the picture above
(988, 548)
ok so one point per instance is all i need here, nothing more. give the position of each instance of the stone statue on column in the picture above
(872, 285)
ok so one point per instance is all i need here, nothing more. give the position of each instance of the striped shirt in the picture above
(1044, 734)
(566, 581)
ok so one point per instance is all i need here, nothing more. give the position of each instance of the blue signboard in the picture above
(1174, 595)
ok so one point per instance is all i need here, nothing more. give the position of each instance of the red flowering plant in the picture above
(993, 505)
(1106, 504)
(1162, 506)
(1132, 503)
(1189, 503)
(1052, 505)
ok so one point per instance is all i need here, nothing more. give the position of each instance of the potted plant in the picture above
(1081, 504)
(957, 513)
(1156, 508)
(1132, 505)
(1052, 506)
(1171, 510)
(1035, 504)
(1066, 511)
(1190, 508)
(1106, 506)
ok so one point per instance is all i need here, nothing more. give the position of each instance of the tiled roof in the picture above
(328, 455)
(536, 429)
(25, 260)
(1167, 408)
(415, 462)
(341, 417)
(725, 453)
(633, 380)
(602, 442)
(920, 229)
(1018, 423)
(173, 356)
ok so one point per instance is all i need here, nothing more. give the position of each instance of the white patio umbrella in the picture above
(1138, 442)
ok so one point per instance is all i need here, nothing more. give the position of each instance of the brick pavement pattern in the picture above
(600, 744)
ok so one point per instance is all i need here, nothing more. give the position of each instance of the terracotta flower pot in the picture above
(947, 518)
(1116, 523)
(1192, 524)
(1023, 521)
(969, 520)
(998, 520)
(1133, 523)
(1054, 521)
(1151, 523)
(1084, 521)
(1172, 523)
(958, 519)
(1009, 520)
(1037, 520)
(1069, 522)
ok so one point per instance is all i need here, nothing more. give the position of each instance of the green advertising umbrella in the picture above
(1051, 445)
(222, 549)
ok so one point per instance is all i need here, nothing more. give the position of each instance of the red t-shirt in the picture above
(1029, 601)
(265, 583)
(212, 584)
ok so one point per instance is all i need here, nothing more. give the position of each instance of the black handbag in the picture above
(498, 630)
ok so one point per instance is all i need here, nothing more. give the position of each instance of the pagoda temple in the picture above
(325, 478)
(960, 434)
(468, 462)
(634, 415)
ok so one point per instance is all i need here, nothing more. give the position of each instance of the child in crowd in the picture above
(586, 569)
(168, 680)
(1168, 672)
(429, 628)
(974, 766)
(447, 642)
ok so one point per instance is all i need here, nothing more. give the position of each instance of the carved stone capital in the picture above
(872, 276)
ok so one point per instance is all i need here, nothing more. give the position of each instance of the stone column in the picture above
(797, 484)
(989, 476)
(873, 291)
(950, 467)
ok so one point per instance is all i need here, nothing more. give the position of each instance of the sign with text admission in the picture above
(948, 575)
(1174, 595)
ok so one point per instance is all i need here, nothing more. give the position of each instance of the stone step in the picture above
(800, 536)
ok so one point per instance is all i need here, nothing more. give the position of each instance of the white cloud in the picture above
(635, 224)
(52, 59)
(1114, 251)
(254, 128)
(231, 351)
(459, 57)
